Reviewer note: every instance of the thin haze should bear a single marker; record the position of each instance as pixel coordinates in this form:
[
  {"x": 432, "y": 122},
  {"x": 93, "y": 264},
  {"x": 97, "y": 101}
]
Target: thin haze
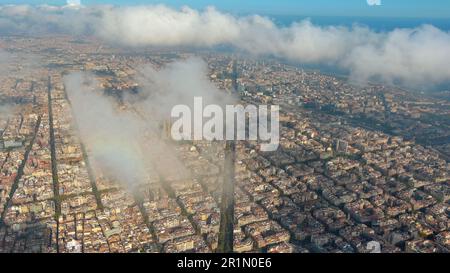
[{"x": 19, "y": 66}]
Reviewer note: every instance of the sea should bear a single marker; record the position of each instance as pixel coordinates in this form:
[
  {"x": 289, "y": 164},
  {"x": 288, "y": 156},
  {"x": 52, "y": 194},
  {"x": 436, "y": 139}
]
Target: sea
[{"x": 379, "y": 24}]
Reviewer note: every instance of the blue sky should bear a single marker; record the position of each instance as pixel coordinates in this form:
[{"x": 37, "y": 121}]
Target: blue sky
[{"x": 389, "y": 8}]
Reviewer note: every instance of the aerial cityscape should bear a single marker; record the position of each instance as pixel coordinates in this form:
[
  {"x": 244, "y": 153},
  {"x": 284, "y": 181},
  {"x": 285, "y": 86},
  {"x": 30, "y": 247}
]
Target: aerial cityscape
[{"x": 88, "y": 163}]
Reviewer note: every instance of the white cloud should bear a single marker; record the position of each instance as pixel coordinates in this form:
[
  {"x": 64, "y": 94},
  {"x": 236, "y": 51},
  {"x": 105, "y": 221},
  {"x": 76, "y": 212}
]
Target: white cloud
[
  {"x": 125, "y": 146},
  {"x": 374, "y": 2},
  {"x": 409, "y": 56},
  {"x": 75, "y": 3}
]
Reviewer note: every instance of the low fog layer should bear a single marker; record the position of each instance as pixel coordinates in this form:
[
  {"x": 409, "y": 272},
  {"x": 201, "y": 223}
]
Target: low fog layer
[
  {"x": 177, "y": 83},
  {"x": 410, "y": 57},
  {"x": 126, "y": 143},
  {"x": 112, "y": 136}
]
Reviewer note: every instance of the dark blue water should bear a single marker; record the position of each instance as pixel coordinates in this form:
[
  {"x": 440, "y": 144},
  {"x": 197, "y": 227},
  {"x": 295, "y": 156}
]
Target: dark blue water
[{"x": 376, "y": 23}]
